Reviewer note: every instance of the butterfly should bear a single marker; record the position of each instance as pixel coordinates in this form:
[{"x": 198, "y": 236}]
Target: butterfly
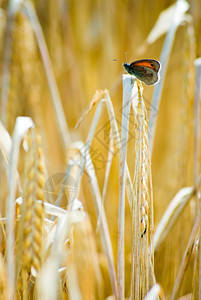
[{"x": 146, "y": 70}]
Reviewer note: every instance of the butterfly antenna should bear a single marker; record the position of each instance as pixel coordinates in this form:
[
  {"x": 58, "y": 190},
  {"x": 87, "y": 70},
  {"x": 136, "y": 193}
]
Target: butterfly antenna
[{"x": 126, "y": 57}]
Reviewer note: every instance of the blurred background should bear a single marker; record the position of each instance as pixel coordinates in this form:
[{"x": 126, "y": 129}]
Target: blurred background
[{"x": 83, "y": 38}]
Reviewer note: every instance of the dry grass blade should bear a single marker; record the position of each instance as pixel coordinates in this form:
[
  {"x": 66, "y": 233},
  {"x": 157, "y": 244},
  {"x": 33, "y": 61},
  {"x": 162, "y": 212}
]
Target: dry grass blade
[
  {"x": 172, "y": 214},
  {"x": 128, "y": 94},
  {"x": 196, "y": 159},
  {"x": 62, "y": 124},
  {"x": 98, "y": 96},
  {"x": 197, "y": 63},
  {"x": 108, "y": 166},
  {"x": 70, "y": 180},
  {"x": 51, "y": 226},
  {"x": 165, "y": 19},
  {"x": 106, "y": 242},
  {"x": 181, "y": 7},
  {"x": 154, "y": 293},
  {"x": 186, "y": 259},
  {"x": 5, "y": 148},
  {"x": 114, "y": 133},
  {"x": 54, "y": 210},
  {"x": 5, "y": 142},
  {"x": 85, "y": 151},
  {"x": 117, "y": 144},
  {"x": 102, "y": 95}
]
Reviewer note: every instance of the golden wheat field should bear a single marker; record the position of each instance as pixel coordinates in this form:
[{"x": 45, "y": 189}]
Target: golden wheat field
[{"x": 100, "y": 192}]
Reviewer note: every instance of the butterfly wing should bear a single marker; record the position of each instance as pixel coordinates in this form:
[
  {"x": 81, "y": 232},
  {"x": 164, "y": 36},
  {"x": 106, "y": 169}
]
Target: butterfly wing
[
  {"x": 145, "y": 70},
  {"x": 150, "y": 63},
  {"x": 145, "y": 74}
]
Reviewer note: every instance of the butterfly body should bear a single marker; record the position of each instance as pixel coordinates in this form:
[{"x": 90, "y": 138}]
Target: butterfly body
[{"x": 146, "y": 70}]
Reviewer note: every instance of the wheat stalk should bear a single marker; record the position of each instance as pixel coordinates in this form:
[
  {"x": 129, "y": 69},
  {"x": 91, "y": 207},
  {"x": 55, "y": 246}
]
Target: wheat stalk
[
  {"x": 33, "y": 209},
  {"x": 142, "y": 211}
]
